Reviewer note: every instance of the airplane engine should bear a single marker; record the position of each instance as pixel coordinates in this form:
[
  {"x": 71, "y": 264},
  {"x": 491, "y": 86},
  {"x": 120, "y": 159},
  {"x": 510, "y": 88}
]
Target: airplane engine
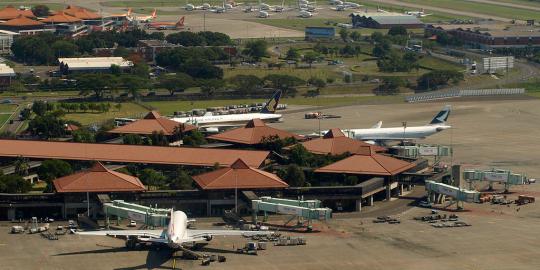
[{"x": 208, "y": 238}]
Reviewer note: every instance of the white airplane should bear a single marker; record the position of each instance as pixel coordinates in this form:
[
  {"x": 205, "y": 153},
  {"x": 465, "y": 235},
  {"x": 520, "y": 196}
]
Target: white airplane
[
  {"x": 146, "y": 19},
  {"x": 419, "y": 14},
  {"x": 379, "y": 134},
  {"x": 175, "y": 235},
  {"x": 214, "y": 123}
]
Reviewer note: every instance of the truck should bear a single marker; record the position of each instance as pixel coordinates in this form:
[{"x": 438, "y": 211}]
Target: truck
[{"x": 250, "y": 248}]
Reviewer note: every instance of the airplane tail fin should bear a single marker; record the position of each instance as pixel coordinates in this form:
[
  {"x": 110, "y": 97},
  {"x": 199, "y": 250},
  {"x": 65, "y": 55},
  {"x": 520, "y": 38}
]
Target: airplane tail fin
[
  {"x": 378, "y": 125},
  {"x": 180, "y": 22},
  {"x": 154, "y": 13},
  {"x": 129, "y": 11},
  {"x": 442, "y": 116},
  {"x": 271, "y": 105}
]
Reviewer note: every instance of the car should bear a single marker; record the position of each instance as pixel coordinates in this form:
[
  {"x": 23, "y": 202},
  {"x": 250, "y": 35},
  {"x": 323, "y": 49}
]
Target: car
[{"x": 132, "y": 223}]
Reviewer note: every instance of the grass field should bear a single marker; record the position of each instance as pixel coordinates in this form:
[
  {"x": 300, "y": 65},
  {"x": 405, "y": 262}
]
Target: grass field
[
  {"x": 495, "y": 10},
  {"x": 435, "y": 63},
  {"x": 304, "y": 73},
  {"x": 435, "y": 17},
  {"x": 530, "y": 3},
  {"x": 127, "y": 110},
  {"x": 4, "y": 118}
]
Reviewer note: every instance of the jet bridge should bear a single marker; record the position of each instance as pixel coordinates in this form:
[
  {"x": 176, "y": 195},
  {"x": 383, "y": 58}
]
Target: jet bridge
[
  {"x": 423, "y": 150},
  {"x": 301, "y": 209},
  {"x": 149, "y": 216},
  {"x": 459, "y": 194},
  {"x": 505, "y": 177}
]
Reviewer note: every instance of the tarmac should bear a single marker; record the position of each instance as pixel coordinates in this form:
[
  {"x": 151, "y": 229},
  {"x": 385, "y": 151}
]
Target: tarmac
[{"x": 501, "y": 133}]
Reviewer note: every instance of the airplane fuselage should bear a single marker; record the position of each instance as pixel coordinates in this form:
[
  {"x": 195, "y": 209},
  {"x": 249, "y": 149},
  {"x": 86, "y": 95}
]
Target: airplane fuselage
[
  {"x": 176, "y": 231},
  {"x": 228, "y": 118},
  {"x": 395, "y": 133}
]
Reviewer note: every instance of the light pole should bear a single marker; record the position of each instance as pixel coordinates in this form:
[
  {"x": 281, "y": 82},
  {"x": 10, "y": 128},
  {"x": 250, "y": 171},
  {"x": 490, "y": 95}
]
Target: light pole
[{"x": 404, "y": 124}]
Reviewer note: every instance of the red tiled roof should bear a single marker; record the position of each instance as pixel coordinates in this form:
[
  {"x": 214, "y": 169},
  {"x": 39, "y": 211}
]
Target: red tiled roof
[
  {"x": 21, "y": 21},
  {"x": 9, "y": 12},
  {"x": 334, "y": 142},
  {"x": 98, "y": 179},
  {"x": 71, "y": 127},
  {"x": 152, "y": 122},
  {"x": 61, "y": 17},
  {"x": 254, "y": 131},
  {"x": 240, "y": 176},
  {"x": 369, "y": 164},
  {"x": 129, "y": 153},
  {"x": 81, "y": 13}
]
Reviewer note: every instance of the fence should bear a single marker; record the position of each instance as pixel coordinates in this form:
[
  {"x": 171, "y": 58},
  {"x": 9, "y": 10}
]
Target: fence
[{"x": 430, "y": 96}]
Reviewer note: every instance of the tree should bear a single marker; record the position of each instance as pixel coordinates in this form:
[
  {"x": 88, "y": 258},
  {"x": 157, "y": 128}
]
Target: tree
[
  {"x": 14, "y": 184},
  {"x": 181, "y": 181},
  {"x": 39, "y": 107},
  {"x": 22, "y": 166},
  {"x": 285, "y": 83},
  {"x": 294, "y": 176},
  {"x": 176, "y": 83},
  {"x": 434, "y": 79},
  {"x": 152, "y": 178},
  {"x": 211, "y": 86},
  {"x": 53, "y": 168},
  {"x": 247, "y": 83},
  {"x": 256, "y": 49},
  {"x": 158, "y": 138},
  {"x": 344, "y": 34},
  {"x": 47, "y": 126},
  {"x": 292, "y": 54},
  {"x": 390, "y": 86},
  {"x": 41, "y": 10},
  {"x": 96, "y": 83},
  {"x": 140, "y": 69},
  {"x": 116, "y": 70},
  {"x": 299, "y": 155},
  {"x": 195, "y": 138},
  {"x": 185, "y": 38},
  {"x": 311, "y": 57},
  {"x": 317, "y": 83},
  {"x": 381, "y": 49},
  {"x": 132, "y": 139},
  {"x": 134, "y": 83},
  {"x": 64, "y": 48},
  {"x": 355, "y": 35},
  {"x": 121, "y": 51},
  {"x": 83, "y": 135},
  {"x": 16, "y": 87},
  {"x": 397, "y": 30}
]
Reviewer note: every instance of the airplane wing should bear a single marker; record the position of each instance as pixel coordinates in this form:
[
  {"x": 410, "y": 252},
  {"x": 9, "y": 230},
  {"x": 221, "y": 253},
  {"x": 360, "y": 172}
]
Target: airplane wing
[
  {"x": 195, "y": 235},
  {"x": 156, "y": 234}
]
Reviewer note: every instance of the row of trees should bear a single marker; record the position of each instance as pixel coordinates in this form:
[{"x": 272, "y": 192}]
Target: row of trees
[
  {"x": 45, "y": 48},
  {"x": 205, "y": 38},
  {"x": 194, "y": 61}
]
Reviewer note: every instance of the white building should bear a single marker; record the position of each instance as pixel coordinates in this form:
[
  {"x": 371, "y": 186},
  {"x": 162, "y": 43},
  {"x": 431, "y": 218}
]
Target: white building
[
  {"x": 6, "y": 39},
  {"x": 92, "y": 64},
  {"x": 6, "y": 74}
]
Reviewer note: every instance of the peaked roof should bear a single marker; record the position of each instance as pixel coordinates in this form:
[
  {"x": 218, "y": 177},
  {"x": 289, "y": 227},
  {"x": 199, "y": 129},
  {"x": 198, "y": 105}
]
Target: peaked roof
[
  {"x": 369, "y": 164},
  {"x": 150, "y": 123},
  {"x": 61, "y": 17},
  {"x": 9, "y": 12},
  {"x": 21, "y": 20},
  {"x": 334, "y": 142},
  {"x": 98, "y": 179},
  {"x": 239, "y": 175},
  {"x": 252, "y": 133},
  {"x": 81, "y": 13}
]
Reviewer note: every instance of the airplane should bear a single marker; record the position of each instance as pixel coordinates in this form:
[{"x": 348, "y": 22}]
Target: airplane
[
  {"x": 378, "y": 134},
  {"x": 176, "y": 235},
  {"x": 418, "y": 14},
  {"x": 167, "y": 25},
  {"x": 146, "y": 19},
  {"x": 191, "y": 7},
  {"x": 214, "y": 123},
  {"x": 119, "y": 17}
]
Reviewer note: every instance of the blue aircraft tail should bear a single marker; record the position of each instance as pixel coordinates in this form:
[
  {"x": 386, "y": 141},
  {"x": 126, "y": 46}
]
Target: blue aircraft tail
[
  {"x": 271, "y": 105},
  {"x": 442, "y": 116}
]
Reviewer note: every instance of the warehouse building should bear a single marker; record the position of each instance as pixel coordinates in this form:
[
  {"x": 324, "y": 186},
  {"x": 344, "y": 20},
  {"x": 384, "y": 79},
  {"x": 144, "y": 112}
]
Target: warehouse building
[
  {"x": 380, "y": 20},
  {"x": 490, "y": 38},
  {"x": 92, "y": 64}
]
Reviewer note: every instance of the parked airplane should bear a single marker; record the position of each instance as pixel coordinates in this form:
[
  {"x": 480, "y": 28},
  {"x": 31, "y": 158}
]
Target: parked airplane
[
  {"x": 378, "y": 134},
  {"x": 146, "y": 19},
  {"x": 191, "y": 7},
  {"x": 215, "y": 123},
  {"x": 167, "y": 25},
  {"x": 175, "y": 235},
  {"x": 420, "y": 13},
  {"x": 119, "y": 17}
]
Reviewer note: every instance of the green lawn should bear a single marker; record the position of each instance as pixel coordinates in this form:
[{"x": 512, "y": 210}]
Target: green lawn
[
  {"x": 435, "y": 63},
  {"x": 435, "y": 17},
  {"x": 40, "y": 94},
  {"x": 303, "y": 73},
  {"x": 7, "y": 108},
  {"x": 495, "y": 10},
  {"x": 128, "y": 110},
  {"x": 531, "y": 3},
  {"x": 4, "y": 118}
]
